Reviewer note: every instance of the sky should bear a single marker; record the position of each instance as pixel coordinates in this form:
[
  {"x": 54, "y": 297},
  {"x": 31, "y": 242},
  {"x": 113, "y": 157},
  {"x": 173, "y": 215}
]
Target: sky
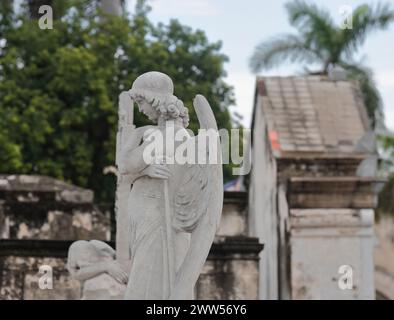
[{"x": 241, "y": 25}]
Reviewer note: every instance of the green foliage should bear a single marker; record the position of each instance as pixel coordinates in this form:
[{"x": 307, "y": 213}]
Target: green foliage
[
  {"x": 386, "y": 196},
  {"x": 320, "y": 41},
  {"x": 371, "y": 95},
  {"x": 59, "y": 87}
]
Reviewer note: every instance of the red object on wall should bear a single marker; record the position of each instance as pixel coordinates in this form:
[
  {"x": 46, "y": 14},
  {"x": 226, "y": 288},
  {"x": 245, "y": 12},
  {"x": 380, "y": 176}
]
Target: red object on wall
[{"x": 273, "y": 136}]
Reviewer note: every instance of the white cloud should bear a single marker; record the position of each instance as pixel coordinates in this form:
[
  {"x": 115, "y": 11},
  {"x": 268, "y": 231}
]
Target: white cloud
[
  {"x": 243, "y": 83},
  {"x": 385, "y": 79},
  {"x": 385, "y": 83}
]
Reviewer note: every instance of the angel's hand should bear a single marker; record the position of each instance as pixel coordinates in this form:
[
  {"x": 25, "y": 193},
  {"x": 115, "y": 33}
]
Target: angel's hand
[
  {"x": 115, "y": 270},
  {"x": 157, "y": 171}
]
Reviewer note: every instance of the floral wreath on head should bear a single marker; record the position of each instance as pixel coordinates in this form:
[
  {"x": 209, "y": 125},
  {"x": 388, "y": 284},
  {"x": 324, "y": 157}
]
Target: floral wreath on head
[
  {"x": 167, "y": 106},
  {"x": 157, "y": 89}
]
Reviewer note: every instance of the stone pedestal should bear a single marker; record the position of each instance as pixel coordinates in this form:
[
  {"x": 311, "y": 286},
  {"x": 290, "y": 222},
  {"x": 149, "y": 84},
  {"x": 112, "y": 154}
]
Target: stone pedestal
[{"x": 331, "y": 237}]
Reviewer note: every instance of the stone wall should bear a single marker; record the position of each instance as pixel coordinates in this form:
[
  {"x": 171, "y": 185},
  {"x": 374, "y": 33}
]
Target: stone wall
[
  {"x": 20, "y": 264},
  {"x": 262, "y": 219},
  {"x": 331, "y": 237},
  {"x": 314, "y": 215},
  {"x": 40, "y": 217},
  {"x": 230, "y": 271},
  {"x": 38, "y": 207}
]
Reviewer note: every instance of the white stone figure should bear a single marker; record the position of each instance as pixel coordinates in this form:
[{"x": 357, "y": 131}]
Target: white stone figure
[
  {"x": 92, "y": 263},
  {"x": 167, "y": 212}
]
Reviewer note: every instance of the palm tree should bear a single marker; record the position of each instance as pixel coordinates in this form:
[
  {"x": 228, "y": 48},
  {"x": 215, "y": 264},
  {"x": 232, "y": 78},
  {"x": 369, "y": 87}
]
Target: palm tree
[{"x": 321, "y": 42}]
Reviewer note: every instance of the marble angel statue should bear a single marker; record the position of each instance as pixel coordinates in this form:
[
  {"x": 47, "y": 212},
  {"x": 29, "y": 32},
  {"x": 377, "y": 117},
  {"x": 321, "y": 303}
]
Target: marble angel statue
[{"x": 167, "y": 211}]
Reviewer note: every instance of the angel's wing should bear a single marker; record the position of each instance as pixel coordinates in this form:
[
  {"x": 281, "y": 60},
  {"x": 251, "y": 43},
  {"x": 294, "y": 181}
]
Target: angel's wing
[{"x": 198, "y": 205}]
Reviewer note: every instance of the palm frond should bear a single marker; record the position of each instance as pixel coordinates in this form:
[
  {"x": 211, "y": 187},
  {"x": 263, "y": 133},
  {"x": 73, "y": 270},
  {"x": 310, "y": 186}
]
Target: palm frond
[
  {"x": 370, "y": 92},
  {"x": 366, "y": 19},
  {"x": 285, "y": 48},
  {"x": 314, "y": 23}
]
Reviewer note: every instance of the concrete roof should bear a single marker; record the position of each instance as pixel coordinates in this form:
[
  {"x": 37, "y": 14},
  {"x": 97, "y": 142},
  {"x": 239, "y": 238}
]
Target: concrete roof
[{"x": 311, "y": 114}]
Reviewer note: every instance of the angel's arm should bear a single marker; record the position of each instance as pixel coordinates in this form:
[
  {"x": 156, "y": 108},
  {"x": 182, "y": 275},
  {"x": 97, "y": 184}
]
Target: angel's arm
[
  {"x": 88, "y": 272},
  {"x": 131, "y": 161}
]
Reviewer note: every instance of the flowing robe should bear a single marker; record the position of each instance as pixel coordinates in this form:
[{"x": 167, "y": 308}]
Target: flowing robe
[{"x": 151, "y": 236}]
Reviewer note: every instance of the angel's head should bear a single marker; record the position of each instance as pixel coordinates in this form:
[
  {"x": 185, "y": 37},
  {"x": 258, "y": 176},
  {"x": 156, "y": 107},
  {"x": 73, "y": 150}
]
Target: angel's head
[
  {"x": 154, "y": 93},
  {"x": 83, "y": 253}
]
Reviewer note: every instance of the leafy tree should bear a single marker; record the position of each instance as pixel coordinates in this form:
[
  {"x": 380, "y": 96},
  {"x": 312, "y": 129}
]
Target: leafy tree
[
  {"x": 321, "y": 42},
  {"x": 59, "y": 87},
  {"x": 386, "y": 195}
]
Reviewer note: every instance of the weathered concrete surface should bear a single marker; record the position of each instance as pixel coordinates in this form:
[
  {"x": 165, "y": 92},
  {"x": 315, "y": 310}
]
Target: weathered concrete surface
[
  {"x": 262, "y": 215},
  {"x": 20, "y": 279},
  {"x": 310, "y": 114},
  {"x": 323, "y": 240},
  {"x": 39, "y": 232},
  {"x": 384, "y": 257},
  {"x": 333, "y": 192},
  {"x": 318, "y": 165},
  {"x": 39, "y": 207},
  {"x": 311, "y": 140},
  {"x": 38, "y": 215},
  {"x": 331, "y": 225},
  {"x": 234, "y": 221},
  {"x": 231, "y": 271}
]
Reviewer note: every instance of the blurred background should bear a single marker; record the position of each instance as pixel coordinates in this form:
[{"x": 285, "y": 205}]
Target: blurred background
[{"x": 59, "y": 91}]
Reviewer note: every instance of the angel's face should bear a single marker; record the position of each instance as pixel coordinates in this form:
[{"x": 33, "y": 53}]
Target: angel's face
[{"x": 146, "y": 108}]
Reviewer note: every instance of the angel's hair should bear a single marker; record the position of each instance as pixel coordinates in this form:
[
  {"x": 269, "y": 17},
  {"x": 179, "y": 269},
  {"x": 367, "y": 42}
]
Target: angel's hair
[{"x": 157, "y": 89}]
